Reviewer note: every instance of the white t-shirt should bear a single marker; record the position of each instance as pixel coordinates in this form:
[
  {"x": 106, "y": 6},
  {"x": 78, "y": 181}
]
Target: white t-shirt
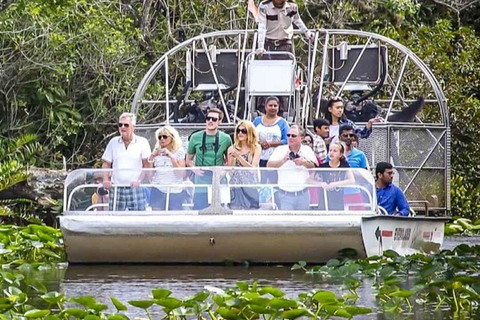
[
  {"x": 291, "y": 177},
  {"x": 167, "y": 175},
  {"x": 126, "y": 162},
  {"x": 334, "y": 131}
]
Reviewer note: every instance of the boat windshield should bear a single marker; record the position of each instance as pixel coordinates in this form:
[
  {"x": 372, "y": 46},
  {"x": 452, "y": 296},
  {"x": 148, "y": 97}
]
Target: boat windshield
[{"x": 221, "y": 190}]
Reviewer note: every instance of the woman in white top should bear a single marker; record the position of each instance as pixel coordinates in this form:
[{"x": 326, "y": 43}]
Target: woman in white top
[{"x": 168, "y": 154}]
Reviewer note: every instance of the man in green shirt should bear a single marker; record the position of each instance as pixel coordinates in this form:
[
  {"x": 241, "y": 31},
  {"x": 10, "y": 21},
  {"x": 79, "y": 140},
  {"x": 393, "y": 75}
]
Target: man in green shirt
[{"x": 207, "y": 148}]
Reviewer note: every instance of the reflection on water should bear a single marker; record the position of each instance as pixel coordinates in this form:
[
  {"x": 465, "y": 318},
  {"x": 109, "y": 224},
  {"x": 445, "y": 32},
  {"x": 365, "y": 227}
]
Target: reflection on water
[{"x": 132, "y": 282}]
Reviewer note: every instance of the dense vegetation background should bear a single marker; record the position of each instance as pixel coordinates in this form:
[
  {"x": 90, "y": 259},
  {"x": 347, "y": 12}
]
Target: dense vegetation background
[{"x": 68, "y": 67}]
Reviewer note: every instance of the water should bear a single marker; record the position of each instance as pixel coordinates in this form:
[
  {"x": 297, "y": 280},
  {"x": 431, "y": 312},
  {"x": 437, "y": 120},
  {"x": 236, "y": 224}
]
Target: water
[{"x": 135, "y": 282}]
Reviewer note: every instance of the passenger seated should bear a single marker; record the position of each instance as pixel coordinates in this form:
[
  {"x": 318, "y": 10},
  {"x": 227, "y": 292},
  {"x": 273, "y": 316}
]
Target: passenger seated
[
  {"x": 244, "y": 153},
  {"x": 101, "y": 194},
  {"x": 168, "y": 153},
  {"x": 331, "y": 180},
  {"x": 389, "y": 196}
]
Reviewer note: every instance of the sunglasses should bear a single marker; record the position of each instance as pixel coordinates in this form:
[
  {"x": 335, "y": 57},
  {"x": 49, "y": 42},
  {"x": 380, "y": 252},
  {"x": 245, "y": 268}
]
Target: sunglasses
[
  {"x": 307, "y": 142},
  {"x": 348, "y": 135},
  {"x": 163, "y": 136},
  {"x": 126, "y": 125},
  {"x": 291, "y": 135},
  {"x": 244, "y": 131},
  {"x": 211, "y": 119}
]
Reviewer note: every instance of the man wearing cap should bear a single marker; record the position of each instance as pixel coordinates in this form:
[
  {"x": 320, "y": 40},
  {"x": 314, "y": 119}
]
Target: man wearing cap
[
  {"x": 127, "y": 154},
  {"x": 275, "y": 25}
]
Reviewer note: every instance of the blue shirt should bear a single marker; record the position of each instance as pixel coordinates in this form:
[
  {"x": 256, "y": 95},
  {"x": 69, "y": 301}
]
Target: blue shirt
[
  {"x": 357, "y": 159},
  {"x": 390, "y": 198}
]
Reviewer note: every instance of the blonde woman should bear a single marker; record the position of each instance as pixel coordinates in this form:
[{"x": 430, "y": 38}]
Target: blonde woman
[
  {"x": 245, "y": 152},
  {"x": 168, "y": 153}
]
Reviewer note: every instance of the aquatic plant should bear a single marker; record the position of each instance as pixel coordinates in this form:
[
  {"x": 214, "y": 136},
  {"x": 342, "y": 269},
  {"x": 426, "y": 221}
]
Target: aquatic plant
[
  {"x": 246, "y": 301},
  {"x": 449, "y": 279},
  {"x": 462, "y": 226},
  {"x": 34, "y": 244}
]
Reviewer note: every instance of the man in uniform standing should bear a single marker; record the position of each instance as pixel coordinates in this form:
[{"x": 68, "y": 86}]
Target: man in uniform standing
[{"x": 275, "y": 26}]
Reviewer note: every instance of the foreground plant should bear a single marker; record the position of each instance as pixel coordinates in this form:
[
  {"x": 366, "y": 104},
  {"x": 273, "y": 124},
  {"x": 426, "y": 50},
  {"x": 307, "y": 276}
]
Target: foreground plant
[
  {"x": 33, "y": 244},
  {"x": 448, "y": 279},
  {"x": 243, "y": 302}
]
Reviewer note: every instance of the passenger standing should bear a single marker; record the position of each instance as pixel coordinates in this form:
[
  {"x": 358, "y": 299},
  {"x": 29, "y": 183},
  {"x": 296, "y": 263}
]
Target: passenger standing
[
  {"x": 245, "y": 153},
  {"x": 127, "y": 154},
  {"x": 321, "y": 139},
  {"x": 168, "y": 154},
  {"x": 207, "y": 148},
  {"x": 356, "y": 159},
  {"x": 272, "y": 131},
  {"x": 293, "y": 160},
  {"x": 337, "y": 118},
  {"x": 389, "y": 196},
  {"x": 275, "y": 26},
  {"x": 333, "y": 179}
]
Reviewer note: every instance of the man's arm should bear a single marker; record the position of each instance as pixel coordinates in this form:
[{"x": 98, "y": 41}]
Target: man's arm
[
  {"x": 262, "y": 27},
  {"x": 106, "y": 175},
  {"x": 190, "y": 162},
  {"x": 402, "y": 204},
  {"x": 278, "y": 158},
  {"x": 301, "y": 25}
]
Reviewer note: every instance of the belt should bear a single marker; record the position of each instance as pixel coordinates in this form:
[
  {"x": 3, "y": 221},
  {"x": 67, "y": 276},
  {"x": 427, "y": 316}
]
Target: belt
[
  {"x": 278, "y": 43},
  {"x": 293, "y": 193}
]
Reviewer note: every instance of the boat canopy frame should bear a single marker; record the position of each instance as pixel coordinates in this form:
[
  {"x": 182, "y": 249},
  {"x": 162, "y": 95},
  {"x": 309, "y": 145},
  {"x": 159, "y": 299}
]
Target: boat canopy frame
[{"x": 418, "y": 148}]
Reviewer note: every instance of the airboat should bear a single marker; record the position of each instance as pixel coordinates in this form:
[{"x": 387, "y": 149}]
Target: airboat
[{"x": 374, "y": 75}]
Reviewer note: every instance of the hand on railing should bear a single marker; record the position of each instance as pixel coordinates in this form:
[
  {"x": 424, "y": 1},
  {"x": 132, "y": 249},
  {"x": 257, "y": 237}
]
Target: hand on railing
[
  {"x": 198, "y": 171},
  {"x": 107, "y": 184},
  {"x": 260, "y": 52}
]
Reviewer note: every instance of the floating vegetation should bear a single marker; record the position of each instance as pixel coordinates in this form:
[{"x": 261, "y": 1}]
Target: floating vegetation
[
  {"x": 449, "y": 279},
  {"x": 34, "y": 245},
  {"x": 243, "y": 302},
  {"x": 463, "y": 226}
]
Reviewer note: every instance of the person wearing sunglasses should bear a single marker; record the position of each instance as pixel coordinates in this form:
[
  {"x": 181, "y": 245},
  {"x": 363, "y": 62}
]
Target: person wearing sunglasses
[
  {"x": 207, "y": 148},
  {"x": 167, "y": 155},
  {"x": 356, "y": 159},
  {"x": 127, "y": 154},
  {"x": 245, "y": 153},
  {"x": 293, "y": 160}
]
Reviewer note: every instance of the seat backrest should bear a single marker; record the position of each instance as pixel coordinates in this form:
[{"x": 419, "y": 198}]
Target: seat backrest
[{"x": 270, "y": 77}]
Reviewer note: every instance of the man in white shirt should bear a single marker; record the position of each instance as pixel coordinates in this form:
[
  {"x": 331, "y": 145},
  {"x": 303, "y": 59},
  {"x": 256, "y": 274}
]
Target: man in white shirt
[
  {"x": 293, "y": 161},
  {"x": 127, "y": 154}
]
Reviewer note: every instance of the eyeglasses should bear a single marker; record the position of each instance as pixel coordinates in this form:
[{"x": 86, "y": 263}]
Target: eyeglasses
[
  {"x": 244, "y": 131},
  {"x": 306, "y": 141},
  {"x": 211, "y": 119},
  {"x": 348, "y": 135},
  {"x": 126, "y": 125},
  {"x": 291, "y": 135},
  {"x": 163, "y": 136}
]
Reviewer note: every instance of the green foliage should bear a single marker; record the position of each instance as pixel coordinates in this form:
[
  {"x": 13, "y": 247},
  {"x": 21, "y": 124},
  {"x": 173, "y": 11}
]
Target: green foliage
[
  {"x": 449, "y": 279},
  {"x": 69, "y": 67},
  {"x": 34, "y": 244}
]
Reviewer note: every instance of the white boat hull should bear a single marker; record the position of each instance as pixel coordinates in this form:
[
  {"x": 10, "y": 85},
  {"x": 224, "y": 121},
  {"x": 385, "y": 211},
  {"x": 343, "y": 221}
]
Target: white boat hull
[
  {"x": 404, "y": 235},
  {"x": 174, "y": 238}
]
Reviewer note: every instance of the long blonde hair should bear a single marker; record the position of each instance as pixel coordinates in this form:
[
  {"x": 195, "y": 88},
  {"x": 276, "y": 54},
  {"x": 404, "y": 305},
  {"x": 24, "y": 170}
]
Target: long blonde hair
[
  {"x": 172, "y": 132},
  {"x": 252, "y": 136}
]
